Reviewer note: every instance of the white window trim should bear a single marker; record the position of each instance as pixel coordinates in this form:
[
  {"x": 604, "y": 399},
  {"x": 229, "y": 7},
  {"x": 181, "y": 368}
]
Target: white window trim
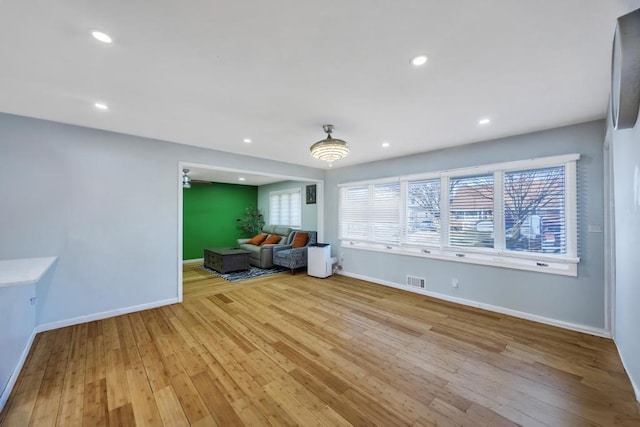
[{"x": 498, "y": 256}]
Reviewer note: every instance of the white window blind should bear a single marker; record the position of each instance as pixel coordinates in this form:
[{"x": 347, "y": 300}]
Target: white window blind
[
  {"x": 285, "y": 207},
  {"x": 534, "y": 210},
  {"x": 520, "y": 214},
  {"x": 354, "y": 203},
  {"x": 471, "y": 211},
  {"x": 370, "y": 213},
  {"x": 423, "y": 212},
  {"x": 384, "y": 215}
]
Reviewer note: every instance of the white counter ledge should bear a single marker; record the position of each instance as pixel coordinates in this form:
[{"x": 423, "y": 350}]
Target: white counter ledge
[{"x": 24, "y": 271}]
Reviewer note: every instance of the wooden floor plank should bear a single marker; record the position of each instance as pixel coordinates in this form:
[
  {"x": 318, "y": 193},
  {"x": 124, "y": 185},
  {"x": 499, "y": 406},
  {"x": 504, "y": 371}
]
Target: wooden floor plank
[
  {"x": 220, "y": 409},
  {"x": 72, "y": 399},
  {"x": 45, "y": 411},
  {"x": 144, "y": 406},
  {"x": 170, "y": 408},
  {"x": 95, "y": 409},
  {"x": 298, "y": 350}
]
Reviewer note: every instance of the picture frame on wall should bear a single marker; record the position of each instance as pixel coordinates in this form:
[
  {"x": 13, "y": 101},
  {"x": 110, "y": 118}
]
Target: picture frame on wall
[{"x": 311, "y": 194}]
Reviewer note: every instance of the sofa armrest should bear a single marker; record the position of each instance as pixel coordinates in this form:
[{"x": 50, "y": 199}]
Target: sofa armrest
[
  {"x": 266, "y": 254},
  {"x": 302, "y": 250},
  {"x": 280, "y": 248},
  {"x": 242, "y": 241}
]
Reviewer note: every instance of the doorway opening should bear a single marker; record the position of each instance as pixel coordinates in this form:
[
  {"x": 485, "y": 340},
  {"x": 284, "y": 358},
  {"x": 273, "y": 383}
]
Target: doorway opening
[{"x": 216, "y": 174}]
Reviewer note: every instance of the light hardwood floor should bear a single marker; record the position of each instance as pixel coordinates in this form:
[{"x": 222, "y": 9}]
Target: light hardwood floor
[{"x": 295, "y": 350}]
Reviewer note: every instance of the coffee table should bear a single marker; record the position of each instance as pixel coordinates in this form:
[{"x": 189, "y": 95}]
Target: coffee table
[{"x": 225, "y": 260}]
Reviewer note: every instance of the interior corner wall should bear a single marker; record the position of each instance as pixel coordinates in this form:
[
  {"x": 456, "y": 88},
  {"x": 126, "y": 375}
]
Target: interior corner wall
[
  {"x": 107, "y": 205},
  {"x": 574, "y": 300},
  {"x": 626, "y": 170},
  {"x": 209, "y": 215},
  {"x": 309, "y": 211}
]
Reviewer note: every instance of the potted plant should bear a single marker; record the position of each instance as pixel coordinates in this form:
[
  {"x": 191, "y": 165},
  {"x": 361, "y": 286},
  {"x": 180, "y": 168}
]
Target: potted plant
[{"x": 252, "y": 221}]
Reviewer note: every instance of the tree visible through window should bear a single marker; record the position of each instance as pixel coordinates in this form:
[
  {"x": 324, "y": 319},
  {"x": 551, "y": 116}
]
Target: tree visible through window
[
  {"x": 534, "y": 211},
  {"x": 423, "y": 212}
]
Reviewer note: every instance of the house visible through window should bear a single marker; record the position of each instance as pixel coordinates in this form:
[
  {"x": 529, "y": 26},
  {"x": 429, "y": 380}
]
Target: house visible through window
[
  {"x": 285, "y": 207},
  {"x": 471, "y": 211},
  {"x": 520, "y": 214}
]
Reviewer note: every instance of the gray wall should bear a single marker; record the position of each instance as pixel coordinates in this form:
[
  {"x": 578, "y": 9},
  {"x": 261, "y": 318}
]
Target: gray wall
[
  {"x": 578, "y": 300},
  {"x": 309, "y": 212},
  {"x": 106, "y": 204},
  {"x": 626, "y": 168}
]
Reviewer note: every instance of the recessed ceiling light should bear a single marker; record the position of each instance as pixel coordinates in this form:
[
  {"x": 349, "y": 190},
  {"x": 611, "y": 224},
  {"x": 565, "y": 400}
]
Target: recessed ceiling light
[
  {"x": 419, "y": 60},
  {"x": 98, "y": 35},
  {"x": 101, "y": 106},
  {"x": 484, "y": 121},
  {"x": 385, "y": 144},
  {"x": 247, "y": 140},
  {"x": 242, "y": 178}
]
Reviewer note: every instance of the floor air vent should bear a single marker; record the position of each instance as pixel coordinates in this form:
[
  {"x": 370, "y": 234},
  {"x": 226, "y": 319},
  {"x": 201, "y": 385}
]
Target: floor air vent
[{"x": 416, "y": 282}]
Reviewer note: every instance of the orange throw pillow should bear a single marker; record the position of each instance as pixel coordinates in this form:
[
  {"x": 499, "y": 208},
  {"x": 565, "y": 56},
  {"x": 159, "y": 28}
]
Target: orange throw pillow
[
  {"x": 300, "y": 240},
  {"x": 257, "y": 240},
  {"x": 272, "y": 239}
]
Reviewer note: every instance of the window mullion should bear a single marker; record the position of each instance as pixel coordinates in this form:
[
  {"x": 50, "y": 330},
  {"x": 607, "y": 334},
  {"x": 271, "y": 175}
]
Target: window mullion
[{"x": 498, "y": 211}]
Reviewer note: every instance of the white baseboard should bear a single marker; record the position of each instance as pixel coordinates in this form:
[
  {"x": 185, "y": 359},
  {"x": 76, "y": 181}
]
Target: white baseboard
[
  {"x": 636, "y": 389},
  {"x": 16, "y": 371},
  {"x": 190, "y": 261},
  {"x": 497, "y": 309},
  {"x": 103, "y": 315}
]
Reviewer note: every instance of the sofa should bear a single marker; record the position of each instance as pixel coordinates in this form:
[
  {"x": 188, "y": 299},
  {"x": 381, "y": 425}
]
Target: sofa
[
  {"x": 290, "y": 257},
  {"x": 262, "y": 256}
]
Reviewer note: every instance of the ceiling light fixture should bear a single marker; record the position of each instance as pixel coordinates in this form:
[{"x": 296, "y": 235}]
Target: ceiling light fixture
[
  {"x": 101, "y": 106},
  {"x": 186, "y": 181},
  {"x": 242, "y": 178},
  {"x": 419, "y": 60},
  {"x": 247, "y": 140},
  {"x": 385, "y": 144},
  {"x": 329, "y": 149},
  {"x": 98, "y": 35},
  {"x": 484, "y": 121}
]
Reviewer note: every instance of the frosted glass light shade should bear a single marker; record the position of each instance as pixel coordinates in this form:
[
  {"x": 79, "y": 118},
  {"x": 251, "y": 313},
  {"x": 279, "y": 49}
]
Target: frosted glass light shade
[{"x": 329, "y": 149}]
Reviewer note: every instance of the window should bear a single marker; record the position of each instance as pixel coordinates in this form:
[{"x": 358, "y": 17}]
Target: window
[
  {"x": 285, "y": 207},
  {"x": 423, "y": 212},
  {"x": 534, "y": 210},
  {"x": 520, "y": 214},
  {"x": 471, "y": 211},
  {"x": 371, "y": 212}
]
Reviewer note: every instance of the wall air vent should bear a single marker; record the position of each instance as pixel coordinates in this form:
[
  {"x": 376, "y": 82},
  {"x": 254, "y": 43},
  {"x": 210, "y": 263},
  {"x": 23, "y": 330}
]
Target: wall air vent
[{"x": 416, "y": 282}]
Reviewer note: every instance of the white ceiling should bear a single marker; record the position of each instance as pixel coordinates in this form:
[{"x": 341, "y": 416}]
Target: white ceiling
[{"x": 210, "y": 73}]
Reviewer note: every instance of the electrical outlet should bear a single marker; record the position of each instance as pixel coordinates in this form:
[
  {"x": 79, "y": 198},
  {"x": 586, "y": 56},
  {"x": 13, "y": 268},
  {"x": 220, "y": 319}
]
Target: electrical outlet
[
  {"x": 455, "y": 282},
  {"x": 33, "y": 301}
]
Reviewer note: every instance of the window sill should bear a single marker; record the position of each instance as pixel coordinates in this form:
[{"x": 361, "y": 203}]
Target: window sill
[{"x": 539, "y": 263}]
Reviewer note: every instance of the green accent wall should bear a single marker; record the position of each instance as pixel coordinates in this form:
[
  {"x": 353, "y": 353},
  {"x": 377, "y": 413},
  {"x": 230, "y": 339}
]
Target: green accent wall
[{"x": 209, "y": 215}]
